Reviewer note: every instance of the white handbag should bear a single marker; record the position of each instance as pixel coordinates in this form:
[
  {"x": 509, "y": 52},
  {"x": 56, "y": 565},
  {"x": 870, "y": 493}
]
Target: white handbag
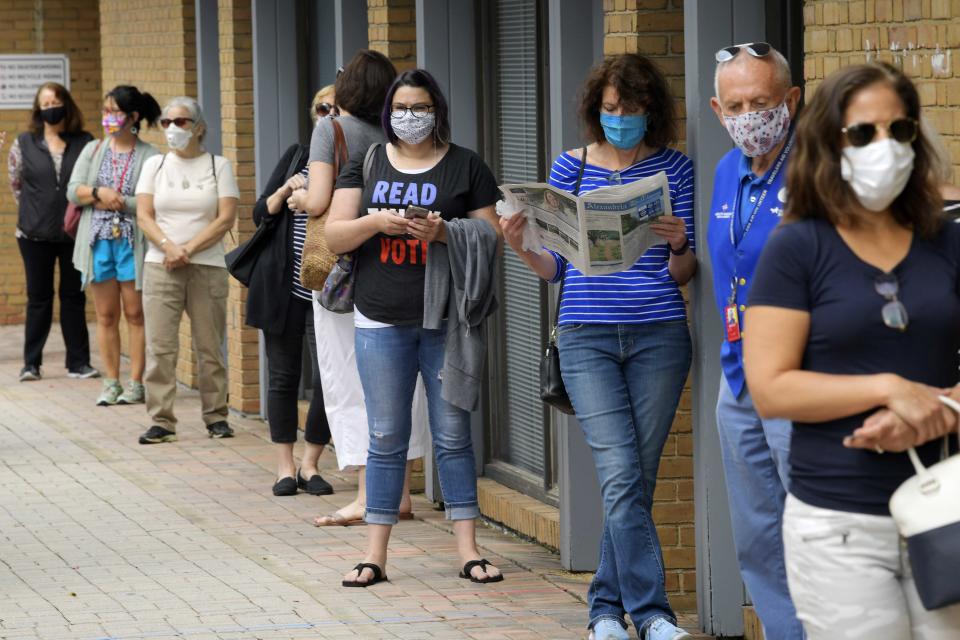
[{"x": 926, "y": 509}]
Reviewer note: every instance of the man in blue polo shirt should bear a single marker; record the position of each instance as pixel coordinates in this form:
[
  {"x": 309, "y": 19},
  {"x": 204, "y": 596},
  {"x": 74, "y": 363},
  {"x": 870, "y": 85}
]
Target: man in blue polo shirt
[{"x": 756, "y": 102}]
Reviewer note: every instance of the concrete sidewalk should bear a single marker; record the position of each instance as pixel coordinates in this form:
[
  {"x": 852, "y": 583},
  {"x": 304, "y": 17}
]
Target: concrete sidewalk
[{"x": 103, "y": 538}]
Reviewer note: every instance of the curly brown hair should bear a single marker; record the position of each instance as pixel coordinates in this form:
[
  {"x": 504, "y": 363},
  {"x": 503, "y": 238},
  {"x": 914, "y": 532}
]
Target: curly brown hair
[
  {"x": 814, "y": 183},
  {"x": 72, "y": 120},
  {"x": 640, "y": 85}
]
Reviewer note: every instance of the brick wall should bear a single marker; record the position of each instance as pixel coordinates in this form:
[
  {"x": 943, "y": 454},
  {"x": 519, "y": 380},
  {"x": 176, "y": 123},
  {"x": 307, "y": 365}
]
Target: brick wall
[
  {"x": 839, "y": 34},
  {"x": 654, "y": 28},
  {"x": 236, "y": 87},
  {"x": 392, "y": 30},
  {"x": 28, "y": 27}
]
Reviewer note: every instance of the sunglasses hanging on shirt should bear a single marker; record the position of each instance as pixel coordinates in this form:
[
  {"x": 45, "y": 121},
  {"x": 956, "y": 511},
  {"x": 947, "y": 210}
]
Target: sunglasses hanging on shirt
[{"x": 893, "y": 312}]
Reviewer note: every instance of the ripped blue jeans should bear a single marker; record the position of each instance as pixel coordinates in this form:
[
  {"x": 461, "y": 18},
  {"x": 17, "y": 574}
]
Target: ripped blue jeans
[{"x": 388, "y": 359}]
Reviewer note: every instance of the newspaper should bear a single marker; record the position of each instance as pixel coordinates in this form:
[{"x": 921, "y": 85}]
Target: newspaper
[{"x": 603, "y": 231}]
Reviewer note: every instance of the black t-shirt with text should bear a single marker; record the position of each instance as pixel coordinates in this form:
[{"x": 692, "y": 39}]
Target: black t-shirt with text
[
  {"x": 806, "y": 266},
  {"x": 390, "y": 269}
]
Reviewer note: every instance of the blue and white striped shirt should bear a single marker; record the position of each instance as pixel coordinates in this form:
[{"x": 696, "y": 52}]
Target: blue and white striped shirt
[
  {"x": 646, "y": 292},
  {"x": 299, "y": 237}
]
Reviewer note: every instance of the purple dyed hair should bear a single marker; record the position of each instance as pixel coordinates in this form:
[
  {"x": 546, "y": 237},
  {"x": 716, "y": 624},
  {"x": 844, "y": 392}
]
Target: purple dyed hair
[{"x": 422, "y": 79}]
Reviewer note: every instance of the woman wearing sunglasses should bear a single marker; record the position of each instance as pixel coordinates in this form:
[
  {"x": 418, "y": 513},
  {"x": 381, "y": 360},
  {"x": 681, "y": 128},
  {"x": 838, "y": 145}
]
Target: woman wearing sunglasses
[
  {"x": 854, "y": 329},
  {"x": 280, "y": 306},
  {"x": 624, "y": 345},
  {"x": 186, "y": 202},
  {"x": 109, "y": 248}
]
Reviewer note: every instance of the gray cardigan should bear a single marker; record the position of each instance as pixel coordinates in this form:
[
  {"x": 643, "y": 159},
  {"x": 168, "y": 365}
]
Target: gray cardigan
[
  {"x": 460, "y": 285},
  {"x": 85, "y": 173}
]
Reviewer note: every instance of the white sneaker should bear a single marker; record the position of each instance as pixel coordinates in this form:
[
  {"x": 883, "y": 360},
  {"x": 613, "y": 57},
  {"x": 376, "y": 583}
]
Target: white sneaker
[{"x": 663, "y": 629}]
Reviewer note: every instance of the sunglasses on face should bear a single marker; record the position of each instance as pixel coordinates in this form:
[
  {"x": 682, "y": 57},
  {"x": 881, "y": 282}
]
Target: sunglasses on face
[
  {"x": 756, "y": 49},
  {"x": 863, "y": 133},
  {"x": 324, "y": 109},
  {"x": 893, "y": 312},
  {"x": 180, "y": 122}
]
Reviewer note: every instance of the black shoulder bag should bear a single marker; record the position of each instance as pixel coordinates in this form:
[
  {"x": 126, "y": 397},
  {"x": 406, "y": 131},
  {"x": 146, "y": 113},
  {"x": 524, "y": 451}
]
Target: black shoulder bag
[
  {"x": 552, "y": 390},
  {"x": 243, "y": 260}
]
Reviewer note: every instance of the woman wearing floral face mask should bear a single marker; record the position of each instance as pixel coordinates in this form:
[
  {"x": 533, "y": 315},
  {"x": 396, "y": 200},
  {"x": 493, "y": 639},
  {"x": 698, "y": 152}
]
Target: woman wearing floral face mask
[
  {"x": 186, "y": 202},
  {"x": 109, "y": 247},
  {"x": 854, "y": 324},
  {"x": 623, "y": 339}
]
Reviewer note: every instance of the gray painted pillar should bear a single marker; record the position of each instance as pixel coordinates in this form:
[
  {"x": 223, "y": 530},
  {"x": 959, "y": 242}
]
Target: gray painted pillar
[
  {"x": 581, "y": 510},
  {"x": 350, "y": 18},
  {"x": 208, "y": 71},
  {"x": 323, "y": 51},
  {"x": 710, "y": 25},
  {"x": 451, "y": 55},
  {"x": 276, "y": 115}
]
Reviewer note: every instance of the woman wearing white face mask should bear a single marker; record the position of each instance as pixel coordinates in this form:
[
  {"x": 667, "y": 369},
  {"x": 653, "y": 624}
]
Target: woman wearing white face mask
[
  {"x": 186, "y": 202},
  {"x": 854, "y": 324}
]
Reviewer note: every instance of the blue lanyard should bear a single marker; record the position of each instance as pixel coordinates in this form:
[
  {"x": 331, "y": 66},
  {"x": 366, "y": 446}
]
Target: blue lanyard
[{"x": 763, "y": 194}]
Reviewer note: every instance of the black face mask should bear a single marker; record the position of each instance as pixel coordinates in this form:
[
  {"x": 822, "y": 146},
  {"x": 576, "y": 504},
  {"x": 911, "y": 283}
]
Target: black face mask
[{"x": 53, "y": 115}]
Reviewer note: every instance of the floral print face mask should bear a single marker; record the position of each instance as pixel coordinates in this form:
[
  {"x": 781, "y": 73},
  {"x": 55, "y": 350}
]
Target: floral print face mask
[{"x": 757, "y": 132}]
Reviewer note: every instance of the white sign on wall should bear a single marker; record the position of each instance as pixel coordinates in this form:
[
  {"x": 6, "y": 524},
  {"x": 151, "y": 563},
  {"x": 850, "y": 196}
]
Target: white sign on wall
[{"x": 22, "y": 75}]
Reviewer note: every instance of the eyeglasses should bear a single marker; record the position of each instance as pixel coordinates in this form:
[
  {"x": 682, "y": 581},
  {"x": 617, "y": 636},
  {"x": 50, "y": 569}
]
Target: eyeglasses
[
  {"x": 893, "y": 312},
  {"x": 180, "y": 122},
  {"x": 418, "y": 110},
  {"x": 339, "y": 71},
  {"x": 756, "y": 49},
  {"x": 325, "y": 109},
  {"x": 863, "y": 133}
]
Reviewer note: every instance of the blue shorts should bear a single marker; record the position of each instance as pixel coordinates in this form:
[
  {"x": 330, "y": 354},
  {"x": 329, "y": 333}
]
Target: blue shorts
[{"x": 113, "y": 259}]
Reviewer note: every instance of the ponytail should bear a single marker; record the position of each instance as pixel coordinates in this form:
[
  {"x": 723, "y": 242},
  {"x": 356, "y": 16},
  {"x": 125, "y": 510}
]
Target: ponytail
[{"x": 130, "y": 100}]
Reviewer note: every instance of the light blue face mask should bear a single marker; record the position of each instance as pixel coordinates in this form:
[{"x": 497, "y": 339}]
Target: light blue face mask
[{"x": 624, "y": 132}]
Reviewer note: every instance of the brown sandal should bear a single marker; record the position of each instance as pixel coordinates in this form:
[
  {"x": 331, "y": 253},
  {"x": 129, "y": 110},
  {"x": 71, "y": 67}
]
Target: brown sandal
[{"x": 336, "y": 520}]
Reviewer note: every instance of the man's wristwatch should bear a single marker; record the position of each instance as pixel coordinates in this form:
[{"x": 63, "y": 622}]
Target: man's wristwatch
[{"x": 94, "y": 194}]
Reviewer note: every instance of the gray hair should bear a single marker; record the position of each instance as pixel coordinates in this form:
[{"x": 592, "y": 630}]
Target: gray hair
[
  {"x": 192, "y": 107},
  {"x": 781, "y": 67}
]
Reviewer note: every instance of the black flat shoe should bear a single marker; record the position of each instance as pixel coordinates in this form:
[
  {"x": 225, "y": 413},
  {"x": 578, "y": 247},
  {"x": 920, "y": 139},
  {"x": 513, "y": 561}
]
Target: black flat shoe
[
  {"x": 377, "y": 576},
  {"x": 285, "y": 487},
  {"x": 315, "y": 486}
]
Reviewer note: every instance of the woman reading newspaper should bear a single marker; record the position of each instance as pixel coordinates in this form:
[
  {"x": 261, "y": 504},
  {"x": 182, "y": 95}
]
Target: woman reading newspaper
[{"x": 623, "y": 339}]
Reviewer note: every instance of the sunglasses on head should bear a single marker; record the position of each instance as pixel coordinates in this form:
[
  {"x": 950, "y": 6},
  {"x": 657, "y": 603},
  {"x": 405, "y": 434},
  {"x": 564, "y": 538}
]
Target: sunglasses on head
[
  {"x": 180, "y": 122},
  {"x": 863, "y": 133},
  {"x": 756, "y": 49}
]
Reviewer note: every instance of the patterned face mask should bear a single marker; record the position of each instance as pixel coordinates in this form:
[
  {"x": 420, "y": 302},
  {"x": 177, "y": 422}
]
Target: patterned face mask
[{"x": 757, "y": 132}]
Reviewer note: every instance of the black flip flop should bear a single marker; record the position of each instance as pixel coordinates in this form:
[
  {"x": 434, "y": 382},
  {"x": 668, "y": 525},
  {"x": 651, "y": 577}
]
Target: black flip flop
[
  {"x": 483, "y": 564},
  {"x": 377, "y": 576}
]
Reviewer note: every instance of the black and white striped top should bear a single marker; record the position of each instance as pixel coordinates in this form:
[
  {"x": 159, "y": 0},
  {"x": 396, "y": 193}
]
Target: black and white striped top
[{"x": 296, "y": 246}]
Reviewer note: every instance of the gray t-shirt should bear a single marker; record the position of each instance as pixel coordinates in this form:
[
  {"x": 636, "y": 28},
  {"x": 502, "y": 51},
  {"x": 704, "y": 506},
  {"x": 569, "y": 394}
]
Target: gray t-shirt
[{"x": 358, "y": 134}]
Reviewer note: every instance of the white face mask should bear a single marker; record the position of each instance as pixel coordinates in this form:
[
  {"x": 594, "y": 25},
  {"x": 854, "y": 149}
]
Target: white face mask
[
  {"x": 178, "y": 138},
  {"x": 877, "y": 172}
]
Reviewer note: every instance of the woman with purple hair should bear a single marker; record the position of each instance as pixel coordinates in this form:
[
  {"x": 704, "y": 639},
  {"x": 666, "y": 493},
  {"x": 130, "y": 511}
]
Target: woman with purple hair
[{"x": 422, "y": 196}]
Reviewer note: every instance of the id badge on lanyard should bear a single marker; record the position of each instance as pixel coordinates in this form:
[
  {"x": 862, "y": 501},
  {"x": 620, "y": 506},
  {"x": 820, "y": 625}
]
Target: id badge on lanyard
[{"x": 731, "y": 315}]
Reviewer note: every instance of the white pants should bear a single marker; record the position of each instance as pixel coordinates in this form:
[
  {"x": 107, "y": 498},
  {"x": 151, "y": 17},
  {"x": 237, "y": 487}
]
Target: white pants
[
  {"x": 343, "y": 394},
  {"x": 850, "y": 578}
]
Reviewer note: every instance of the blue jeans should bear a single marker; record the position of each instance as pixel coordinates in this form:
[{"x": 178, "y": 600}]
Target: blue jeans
[
  {"x": 388, "y": 360},
  {"x": 625, "y": 382},
  {"x": 755, "y": 462}
]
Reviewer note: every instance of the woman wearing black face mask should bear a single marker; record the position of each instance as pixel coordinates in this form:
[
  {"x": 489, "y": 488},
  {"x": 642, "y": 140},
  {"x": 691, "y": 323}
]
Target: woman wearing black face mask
[{"x": 40, "y": 163}]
